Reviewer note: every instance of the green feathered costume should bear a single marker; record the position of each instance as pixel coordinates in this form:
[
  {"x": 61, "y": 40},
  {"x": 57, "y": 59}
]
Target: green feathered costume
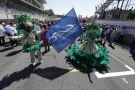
[
  {"x": 89, "y": 52},
  {"x": 26, "y": 32},
  {"x": 23, "y": 22}
]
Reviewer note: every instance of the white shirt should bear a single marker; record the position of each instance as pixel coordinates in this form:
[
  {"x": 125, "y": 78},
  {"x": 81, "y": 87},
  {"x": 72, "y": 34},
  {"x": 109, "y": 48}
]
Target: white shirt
[
  {"x": 12, "y": 30},
  {"x": 108, "y": 30},
  {"x": 7, "y": 28},
  {"x": 37, "y": 28},
  {"x": 1, "y": 26},
  {"x": 1, "y": 32},
  {"x": 101, "y": 31}
]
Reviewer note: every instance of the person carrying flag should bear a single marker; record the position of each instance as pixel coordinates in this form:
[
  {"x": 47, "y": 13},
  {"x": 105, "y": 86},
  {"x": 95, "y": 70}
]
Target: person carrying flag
[{"x": 67, "y": 30}]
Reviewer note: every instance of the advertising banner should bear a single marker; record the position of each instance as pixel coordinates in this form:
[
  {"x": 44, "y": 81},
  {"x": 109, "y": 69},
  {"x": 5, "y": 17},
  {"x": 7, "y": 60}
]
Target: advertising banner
[{"x": 130, "y": 25}]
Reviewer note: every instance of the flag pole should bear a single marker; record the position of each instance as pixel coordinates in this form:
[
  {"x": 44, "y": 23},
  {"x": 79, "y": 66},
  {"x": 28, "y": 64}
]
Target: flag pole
[
  {"x": 93, "y": 22},
  {"x": 72, "y": 6}
]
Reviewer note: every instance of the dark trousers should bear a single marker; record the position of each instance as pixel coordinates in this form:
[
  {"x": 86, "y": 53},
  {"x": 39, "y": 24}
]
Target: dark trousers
[
  {"x": 121, "y": 38},
  {"x": 108, "y": 37},
  {"x": 47, "y": 46},
  {"x": 2, "y": 40},
  {"x": 14, "y": 42},
  {"x": 132, "y": 48}
]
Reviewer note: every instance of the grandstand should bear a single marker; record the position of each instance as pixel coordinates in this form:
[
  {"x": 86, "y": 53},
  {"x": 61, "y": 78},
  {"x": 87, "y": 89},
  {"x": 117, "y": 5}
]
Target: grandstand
[
  {"x": 11, "y": 9},
  {"x": 116, "y": 9},
  {"x": 118, "y": 13}
]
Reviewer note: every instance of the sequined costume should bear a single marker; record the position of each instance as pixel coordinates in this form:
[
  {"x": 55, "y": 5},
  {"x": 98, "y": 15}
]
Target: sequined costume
[
  {"x": 26, "y": 32},
  {"x": 89, "y": 52}
]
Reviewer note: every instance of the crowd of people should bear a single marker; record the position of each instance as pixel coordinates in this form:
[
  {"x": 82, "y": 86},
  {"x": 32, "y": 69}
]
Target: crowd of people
[
  {"x": 31, "y": 38},
  {"x": 8, "y": 30},
  {"x": 109, "y": 34}
]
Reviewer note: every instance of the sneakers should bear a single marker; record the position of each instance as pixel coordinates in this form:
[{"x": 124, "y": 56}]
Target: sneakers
[
  {"x": 40, "y": 61},
  {"x": 34, "y": 64}
]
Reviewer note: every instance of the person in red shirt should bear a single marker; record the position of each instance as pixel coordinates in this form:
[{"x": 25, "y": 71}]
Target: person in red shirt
[{"x": 45, "y": 40}]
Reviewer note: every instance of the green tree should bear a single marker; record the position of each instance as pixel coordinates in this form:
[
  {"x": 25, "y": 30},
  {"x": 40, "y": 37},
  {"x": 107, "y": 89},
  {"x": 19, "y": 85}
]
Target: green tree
[{"x": 49, "y": 12}]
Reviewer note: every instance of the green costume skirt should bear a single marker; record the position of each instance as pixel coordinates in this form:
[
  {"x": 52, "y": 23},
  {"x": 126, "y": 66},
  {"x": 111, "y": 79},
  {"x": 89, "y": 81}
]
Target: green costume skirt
[
  {"x": 36, "y": 48},
  {"x": 98, "y": 58}
]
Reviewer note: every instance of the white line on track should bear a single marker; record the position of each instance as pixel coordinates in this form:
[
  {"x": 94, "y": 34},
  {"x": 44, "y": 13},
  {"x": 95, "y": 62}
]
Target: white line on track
[
  {"x": 122, "y": 63},
  {"x": 117, "y": 59},
  {"x": 114, "y": 74},
  {"x": 125, "y": 80}
]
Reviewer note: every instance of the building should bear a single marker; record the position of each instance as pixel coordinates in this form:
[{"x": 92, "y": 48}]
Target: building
[{"x": 11, "y": 9}]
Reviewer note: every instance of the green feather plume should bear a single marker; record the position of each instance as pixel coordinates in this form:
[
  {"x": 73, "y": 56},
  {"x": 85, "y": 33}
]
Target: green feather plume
[
  {"x": 21, "y": 21},
  {"x": 93, "y": 26}
]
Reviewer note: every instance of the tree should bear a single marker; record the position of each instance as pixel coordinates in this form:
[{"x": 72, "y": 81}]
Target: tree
[
  {"x": 46, "y": 12},
  {"x": 49, "y": 12}
]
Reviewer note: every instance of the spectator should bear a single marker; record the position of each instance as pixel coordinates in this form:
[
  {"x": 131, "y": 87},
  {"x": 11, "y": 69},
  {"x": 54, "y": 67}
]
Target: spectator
[
  {"x": 45, "y": 40},
  {"x": 100, "y": 29},
  {"x": 2, "y": 36},
  {"x": 132, "y": 48},
  {"x": 122, "y": 33},
  {"x": 113, "y": 35},
  {"x": 13, "y": 32},
  {"x": 109, "y": 31},
  {"x": 1, "y": 25},
  {"x": 103, "y": 35},
  {"x": 7, "y": 29},
  {"x": 37, "y": 28}
]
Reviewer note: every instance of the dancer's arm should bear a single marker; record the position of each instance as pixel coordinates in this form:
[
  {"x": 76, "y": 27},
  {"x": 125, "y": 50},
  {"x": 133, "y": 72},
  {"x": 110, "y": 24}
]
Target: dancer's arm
[{"x": 39, "y": 32}]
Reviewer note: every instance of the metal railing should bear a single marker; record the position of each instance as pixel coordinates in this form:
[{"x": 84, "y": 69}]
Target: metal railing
[{"x": 118, "y": 13}]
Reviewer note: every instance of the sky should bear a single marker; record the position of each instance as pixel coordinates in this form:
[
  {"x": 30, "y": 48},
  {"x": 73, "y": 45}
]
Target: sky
[{"x": 82, "y": 7}]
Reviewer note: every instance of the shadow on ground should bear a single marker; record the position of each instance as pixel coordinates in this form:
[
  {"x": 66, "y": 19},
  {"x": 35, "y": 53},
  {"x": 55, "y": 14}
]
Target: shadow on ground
[
  {"x": 6, "y": 49},
  {"x": 13, "y": 53},
  {"x": 86, "y": 70},
  {"x": 51, "y": 72},
  {"x": 111, "y": 46},
  {"x": 16, "y": 76}
]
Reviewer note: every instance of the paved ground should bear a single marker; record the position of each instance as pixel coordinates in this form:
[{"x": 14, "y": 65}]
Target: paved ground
[{"x": 59, "y": 73}]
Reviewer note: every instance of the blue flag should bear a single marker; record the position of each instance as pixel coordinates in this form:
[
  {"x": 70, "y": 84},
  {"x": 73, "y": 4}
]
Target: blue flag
[{"x": 65, "y": 31}]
